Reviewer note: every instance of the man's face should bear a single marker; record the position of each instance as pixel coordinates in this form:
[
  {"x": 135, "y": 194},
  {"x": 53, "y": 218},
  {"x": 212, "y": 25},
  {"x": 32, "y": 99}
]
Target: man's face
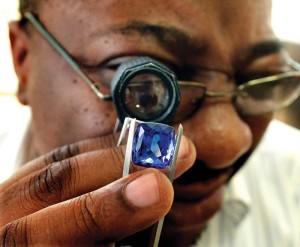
[{"x": 210, "y": 41}]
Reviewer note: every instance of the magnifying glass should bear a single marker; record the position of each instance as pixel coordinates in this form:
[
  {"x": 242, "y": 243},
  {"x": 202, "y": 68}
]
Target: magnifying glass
[{"x": 145, "y": 89}]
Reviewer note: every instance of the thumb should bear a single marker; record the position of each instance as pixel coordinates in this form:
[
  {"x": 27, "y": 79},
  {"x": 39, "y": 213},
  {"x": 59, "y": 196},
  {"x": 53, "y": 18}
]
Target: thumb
[{"x": 111, "y": 213}]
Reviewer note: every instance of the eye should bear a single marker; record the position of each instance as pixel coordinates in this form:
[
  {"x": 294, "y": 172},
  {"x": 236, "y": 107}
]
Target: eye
[
  {"x": 114, "y": 64},
  {"x": 102, "y": 74},
  {"x": 263, "y": 67},
  {"x": 242, "y": 78}
]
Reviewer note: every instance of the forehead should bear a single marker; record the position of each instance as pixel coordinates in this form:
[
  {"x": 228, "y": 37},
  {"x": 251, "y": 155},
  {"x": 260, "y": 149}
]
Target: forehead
[{"x": 220, "y": 26}]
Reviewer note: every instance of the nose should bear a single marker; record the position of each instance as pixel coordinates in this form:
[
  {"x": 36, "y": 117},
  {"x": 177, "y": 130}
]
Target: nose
[{"x": 219, "y": 134}]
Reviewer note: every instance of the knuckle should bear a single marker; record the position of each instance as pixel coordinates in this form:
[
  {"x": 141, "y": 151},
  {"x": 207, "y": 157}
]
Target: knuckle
[
  {"x": 55, "y": 183},
  {"x": 85, "y": 217},
  {"x": 8, "y": 199},
  {"x": 62, "y": 153},
  {"x": 14, "y": 234},
  {"x": 93, "y": 217}
]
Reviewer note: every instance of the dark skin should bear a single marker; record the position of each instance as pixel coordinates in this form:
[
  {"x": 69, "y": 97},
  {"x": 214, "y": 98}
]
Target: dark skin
[{"x": 82, "y": 181}]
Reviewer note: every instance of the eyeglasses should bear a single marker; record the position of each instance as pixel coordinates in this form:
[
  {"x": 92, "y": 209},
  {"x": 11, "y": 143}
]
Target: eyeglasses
[{"x": 145, "y": 89}]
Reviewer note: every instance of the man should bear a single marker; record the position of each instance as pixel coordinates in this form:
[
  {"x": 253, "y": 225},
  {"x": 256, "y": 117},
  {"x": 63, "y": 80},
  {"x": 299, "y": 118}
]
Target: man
[{"x": 74, "y": 195}]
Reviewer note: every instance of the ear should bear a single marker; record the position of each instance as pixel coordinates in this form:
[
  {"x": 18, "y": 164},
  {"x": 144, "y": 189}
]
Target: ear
[{"x": 20, "y": 54}]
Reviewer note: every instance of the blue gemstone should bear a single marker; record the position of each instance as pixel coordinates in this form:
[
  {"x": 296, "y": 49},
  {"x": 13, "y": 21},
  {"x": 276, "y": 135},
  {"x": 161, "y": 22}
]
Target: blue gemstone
[{"x": 153, "y": 145}]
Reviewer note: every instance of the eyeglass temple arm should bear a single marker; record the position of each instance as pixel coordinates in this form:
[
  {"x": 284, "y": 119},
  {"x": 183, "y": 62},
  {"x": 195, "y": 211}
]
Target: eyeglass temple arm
[
  {"x": 208, "y": 93},
  {"x": 62, "y": 52}
]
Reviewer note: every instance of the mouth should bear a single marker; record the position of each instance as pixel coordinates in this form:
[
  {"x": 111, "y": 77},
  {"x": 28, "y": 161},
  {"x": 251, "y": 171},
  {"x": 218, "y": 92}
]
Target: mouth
[
  {"x": 200, "y": 172},
  {"x": 200, "y": 181}
]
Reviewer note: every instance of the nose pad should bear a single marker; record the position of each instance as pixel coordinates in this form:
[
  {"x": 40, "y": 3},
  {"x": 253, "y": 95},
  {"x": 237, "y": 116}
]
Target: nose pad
[{"x": 219, "y": 134}]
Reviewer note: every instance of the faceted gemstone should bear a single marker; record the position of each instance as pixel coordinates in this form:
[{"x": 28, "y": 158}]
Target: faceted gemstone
[{"x": 153, "y": 145}]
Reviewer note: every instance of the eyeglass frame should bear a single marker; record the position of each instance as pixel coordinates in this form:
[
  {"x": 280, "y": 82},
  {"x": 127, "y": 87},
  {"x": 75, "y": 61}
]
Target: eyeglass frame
[{"x": 94, "y": 87}]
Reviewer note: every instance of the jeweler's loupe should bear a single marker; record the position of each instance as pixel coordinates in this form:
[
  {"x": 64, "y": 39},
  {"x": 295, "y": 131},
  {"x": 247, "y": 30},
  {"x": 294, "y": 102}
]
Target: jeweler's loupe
[{"x": 146, "y": 90}]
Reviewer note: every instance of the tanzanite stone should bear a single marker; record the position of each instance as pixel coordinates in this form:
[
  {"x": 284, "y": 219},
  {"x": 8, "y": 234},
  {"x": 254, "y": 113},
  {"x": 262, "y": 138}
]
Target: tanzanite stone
[{"x": 153, "y": 145}]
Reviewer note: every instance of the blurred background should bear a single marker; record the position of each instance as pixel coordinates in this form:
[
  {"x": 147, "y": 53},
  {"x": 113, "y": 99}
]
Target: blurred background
[{"x": 286, "y": 20}]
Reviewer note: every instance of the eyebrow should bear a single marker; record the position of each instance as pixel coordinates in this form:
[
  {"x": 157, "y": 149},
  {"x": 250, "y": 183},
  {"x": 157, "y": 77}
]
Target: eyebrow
[
  {"x": 168, "y": 36},
  {"x": 176, "y": 39},
  {"x": 261, "y": 49}
]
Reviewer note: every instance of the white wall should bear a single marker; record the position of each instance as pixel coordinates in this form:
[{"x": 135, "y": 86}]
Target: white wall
[{"x": 286, "y": 19}]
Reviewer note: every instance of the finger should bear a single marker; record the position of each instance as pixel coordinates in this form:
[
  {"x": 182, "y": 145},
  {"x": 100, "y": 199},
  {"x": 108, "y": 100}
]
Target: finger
[
  {"x": 72, "y": 177},
  {"x": 60, "y": 181},
  {"x": 62, "y": 153},
  {"x": 186, "y": 156},
  {"x": 102, "y": 216}
]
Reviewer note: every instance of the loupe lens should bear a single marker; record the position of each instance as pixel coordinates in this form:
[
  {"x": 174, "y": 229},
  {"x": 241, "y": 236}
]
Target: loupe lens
[{"x": 146, "y": 96}]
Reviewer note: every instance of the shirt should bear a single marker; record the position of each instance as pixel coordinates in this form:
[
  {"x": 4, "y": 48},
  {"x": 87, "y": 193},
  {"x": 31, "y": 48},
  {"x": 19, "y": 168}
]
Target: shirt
[{"x": 261, "y": 205}]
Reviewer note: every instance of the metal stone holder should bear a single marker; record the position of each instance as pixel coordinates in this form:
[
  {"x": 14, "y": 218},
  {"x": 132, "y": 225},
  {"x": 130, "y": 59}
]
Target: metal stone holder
[{"x": 130, "y": 124}]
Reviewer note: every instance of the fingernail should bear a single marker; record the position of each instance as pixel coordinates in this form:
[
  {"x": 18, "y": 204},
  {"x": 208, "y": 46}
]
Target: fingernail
[
  {"x": 184, "y": 149},
  {"x": 143, "y": 191}
]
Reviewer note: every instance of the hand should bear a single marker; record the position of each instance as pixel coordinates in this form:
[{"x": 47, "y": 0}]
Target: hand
[{"x": 74, "y": 196}]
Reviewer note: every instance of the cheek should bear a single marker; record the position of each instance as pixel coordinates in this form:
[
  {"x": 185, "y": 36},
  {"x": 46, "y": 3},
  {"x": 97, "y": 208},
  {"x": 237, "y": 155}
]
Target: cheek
[
  {"x": 67, "y": 111},
  {"x": 258, "y": 125}
]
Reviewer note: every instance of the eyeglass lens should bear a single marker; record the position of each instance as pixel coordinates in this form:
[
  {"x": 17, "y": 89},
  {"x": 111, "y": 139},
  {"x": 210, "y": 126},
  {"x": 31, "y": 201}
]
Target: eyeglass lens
[{"x": 268, "y": 96}]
